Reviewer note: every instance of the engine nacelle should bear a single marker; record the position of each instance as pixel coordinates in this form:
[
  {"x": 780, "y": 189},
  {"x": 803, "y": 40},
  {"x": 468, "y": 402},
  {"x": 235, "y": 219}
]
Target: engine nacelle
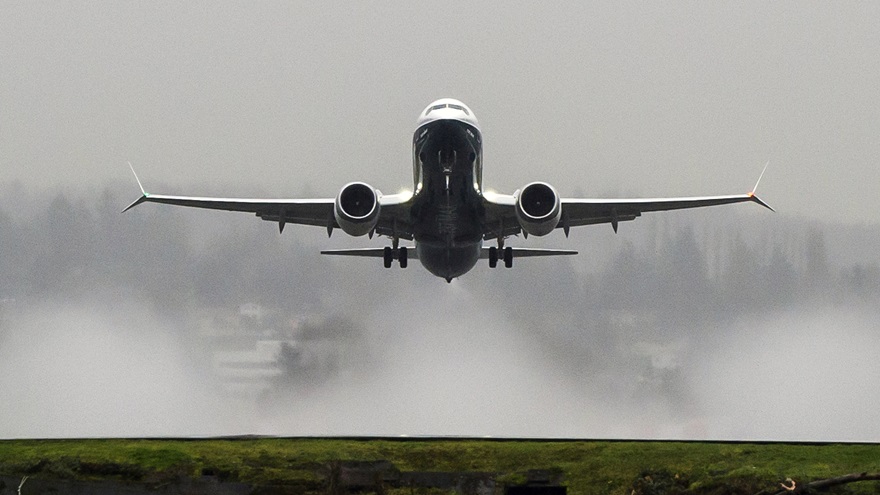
[
  {"x": 538, "y": 208},
  {"x": 357, "y": 208}
]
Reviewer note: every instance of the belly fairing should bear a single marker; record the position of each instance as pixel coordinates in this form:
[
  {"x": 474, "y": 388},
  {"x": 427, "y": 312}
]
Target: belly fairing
[{"x": 448, "y": 262}]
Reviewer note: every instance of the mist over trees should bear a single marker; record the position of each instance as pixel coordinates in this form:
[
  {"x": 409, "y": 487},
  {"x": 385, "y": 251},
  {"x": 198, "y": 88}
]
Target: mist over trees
[
  {"x": 673, "y": 273},
  {"x": 71, "y": 245},
  {"x": 627, "y": 319}
]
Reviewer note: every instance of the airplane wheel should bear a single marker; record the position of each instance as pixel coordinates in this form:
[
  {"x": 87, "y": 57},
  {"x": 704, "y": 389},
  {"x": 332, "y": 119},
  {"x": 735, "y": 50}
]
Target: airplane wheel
[
  {"x": 402, "y": 257},
  {"x": 493, "y": 257},
  {"x": 388, "y": 256},
  {"x": 508, "y": 257}
]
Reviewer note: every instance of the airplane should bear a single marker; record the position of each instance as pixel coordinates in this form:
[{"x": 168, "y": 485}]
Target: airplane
[{"x": 448, "y": 215}]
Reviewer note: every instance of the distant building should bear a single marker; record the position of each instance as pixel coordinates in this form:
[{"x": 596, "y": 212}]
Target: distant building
[{"x": 245, "y": 346}]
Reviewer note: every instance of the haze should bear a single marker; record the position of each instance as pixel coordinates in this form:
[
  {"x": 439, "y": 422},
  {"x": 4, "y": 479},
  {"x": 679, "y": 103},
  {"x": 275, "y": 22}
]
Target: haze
[{"x": 731, "y": 323}]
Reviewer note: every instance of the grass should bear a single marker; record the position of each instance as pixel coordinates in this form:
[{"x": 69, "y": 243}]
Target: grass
[{"x": 589, "y": 467}]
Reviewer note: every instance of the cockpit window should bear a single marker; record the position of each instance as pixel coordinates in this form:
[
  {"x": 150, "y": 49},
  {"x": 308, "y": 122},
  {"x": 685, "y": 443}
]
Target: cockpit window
[
  {"x": 435, "y": 107},
  {"x": 459, "y": 107},
  {"x": 447, "y": 105}
]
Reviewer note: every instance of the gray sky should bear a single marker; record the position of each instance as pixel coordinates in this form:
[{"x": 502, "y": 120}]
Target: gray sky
[{"x": 286, "y": 98}]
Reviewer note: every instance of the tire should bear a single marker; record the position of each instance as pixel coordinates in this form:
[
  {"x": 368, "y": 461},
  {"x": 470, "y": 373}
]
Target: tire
[
  {"x": 388, "y": 256},
  {"x": 402, "y": 257}
]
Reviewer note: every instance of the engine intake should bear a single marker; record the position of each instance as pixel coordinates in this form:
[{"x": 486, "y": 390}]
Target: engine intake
[
  {"x": 538, "y": 208},
  {"x": 357, "y": 208}
]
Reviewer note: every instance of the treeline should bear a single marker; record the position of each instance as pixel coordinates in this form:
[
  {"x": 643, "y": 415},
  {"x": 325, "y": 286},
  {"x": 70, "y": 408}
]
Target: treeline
[
  {"x": 70, "y": 247},
  {"x": 611, "y": 317},
  {"x": 716, "y": 274},
  {"x": 73, "y": 247}
]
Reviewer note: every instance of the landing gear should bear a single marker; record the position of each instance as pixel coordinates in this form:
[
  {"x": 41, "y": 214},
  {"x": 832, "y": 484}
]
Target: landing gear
[
  {"x": 388, "y": 256},
  {"x": 508, "y": 257}
]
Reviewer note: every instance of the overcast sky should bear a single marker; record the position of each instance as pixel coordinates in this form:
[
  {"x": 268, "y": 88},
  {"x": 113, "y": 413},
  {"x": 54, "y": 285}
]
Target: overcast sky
[
  {"x": 286, "y": 98},
  {"x": 290, "y": 99}
]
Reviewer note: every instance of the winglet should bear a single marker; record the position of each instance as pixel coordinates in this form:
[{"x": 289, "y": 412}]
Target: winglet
[
  {"x": 760, "y": 202},
  {"x": 135, "y": 203},
  {"x": 143, "y": 192},
  {"x": 754, "y": 189},
  {"x": 752, "y": 195}
]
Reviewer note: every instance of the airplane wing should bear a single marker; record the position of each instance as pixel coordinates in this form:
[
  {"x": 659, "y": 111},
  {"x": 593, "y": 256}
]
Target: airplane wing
[
  {"x": 577, "y": 212},
  {"x": 502, "y": 221},
  {"x": 501, "y": 210},
  {"x": 317, "y": 212},
  {"x": 302, "y": 211}
]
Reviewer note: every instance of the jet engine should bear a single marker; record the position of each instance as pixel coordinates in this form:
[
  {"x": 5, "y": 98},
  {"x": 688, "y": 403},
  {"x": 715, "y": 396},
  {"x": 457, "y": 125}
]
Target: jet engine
[
  {"x": 538, "y": 208},
  {"x": 357, "y": 208}
]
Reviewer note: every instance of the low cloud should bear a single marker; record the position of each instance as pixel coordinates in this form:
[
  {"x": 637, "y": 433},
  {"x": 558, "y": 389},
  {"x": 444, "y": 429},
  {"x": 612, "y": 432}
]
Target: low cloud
[
  {"x": 681, "y": 326},
  {"x": 103, "y": 370}
]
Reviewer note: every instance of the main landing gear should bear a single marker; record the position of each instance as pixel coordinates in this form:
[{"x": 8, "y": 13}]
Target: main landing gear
[
  {"x": 389, "y": 253},
  {"x": 506, "y": 255}
]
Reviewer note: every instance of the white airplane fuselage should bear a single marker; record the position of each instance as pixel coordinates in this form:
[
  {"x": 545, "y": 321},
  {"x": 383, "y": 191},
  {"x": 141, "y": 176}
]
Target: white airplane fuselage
[{"x": 447, "y": 211}]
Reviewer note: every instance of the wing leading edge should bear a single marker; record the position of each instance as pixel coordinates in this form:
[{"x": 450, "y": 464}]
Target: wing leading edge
[
  {"x": 317, "y": 212},
  {"x": 577, "y": 212}
]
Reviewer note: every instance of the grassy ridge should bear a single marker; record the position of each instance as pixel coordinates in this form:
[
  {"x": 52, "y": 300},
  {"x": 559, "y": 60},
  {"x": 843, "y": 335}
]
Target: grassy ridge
[{"x": 590, "y": 467}]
